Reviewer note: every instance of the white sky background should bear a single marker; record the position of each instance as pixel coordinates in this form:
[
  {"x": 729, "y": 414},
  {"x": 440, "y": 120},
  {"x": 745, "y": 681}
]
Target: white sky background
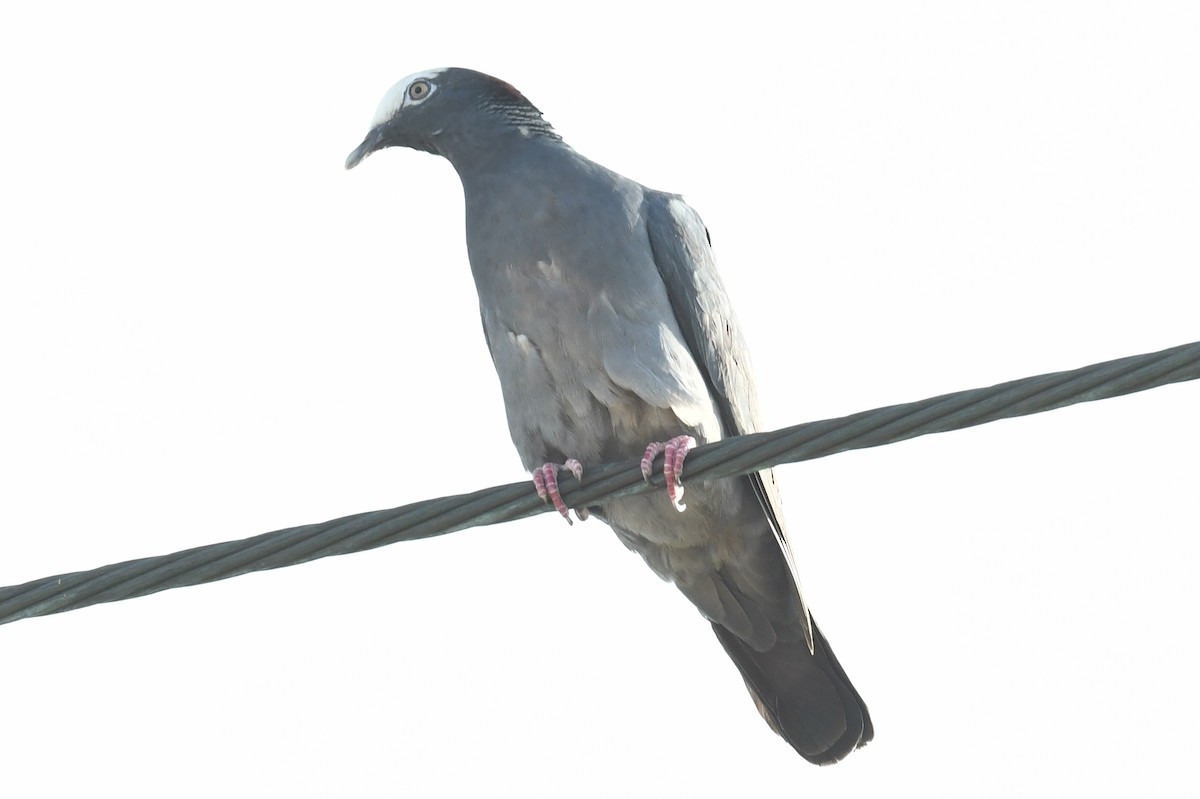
[{"x": 209, "y": 330}]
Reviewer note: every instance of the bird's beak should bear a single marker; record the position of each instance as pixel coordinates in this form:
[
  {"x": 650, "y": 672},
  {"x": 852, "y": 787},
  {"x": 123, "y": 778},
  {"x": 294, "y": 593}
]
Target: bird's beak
[{"x": 373, "y": 142}]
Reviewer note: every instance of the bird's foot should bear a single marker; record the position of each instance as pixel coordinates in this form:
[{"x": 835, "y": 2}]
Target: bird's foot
[
  {"x": 674, "y": 451},
  {"x": 545, "y": 480}
]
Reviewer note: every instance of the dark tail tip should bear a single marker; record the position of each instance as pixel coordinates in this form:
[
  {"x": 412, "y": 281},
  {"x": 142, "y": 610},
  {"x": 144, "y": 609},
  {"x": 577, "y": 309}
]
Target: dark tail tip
[{"x": 806, "y": 698}]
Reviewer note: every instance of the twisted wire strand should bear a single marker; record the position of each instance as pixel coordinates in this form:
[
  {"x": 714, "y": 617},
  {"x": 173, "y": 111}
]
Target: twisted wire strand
[{"x": 739, "y": 455}]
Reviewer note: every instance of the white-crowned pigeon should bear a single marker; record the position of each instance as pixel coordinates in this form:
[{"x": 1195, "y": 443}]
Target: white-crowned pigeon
[{"x": 612, "y": 337}]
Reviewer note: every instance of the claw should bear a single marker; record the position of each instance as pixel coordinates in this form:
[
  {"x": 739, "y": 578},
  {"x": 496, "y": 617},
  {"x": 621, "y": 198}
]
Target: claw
[
  {"x": 652, "y": 452},
  {"x": 674, "y": 451},
  {"x": 545, "y": 481}
]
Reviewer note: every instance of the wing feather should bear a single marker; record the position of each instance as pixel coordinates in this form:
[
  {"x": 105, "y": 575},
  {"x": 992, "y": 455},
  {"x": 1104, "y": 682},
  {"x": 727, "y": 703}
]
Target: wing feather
[{"x": 683, "y": 255}]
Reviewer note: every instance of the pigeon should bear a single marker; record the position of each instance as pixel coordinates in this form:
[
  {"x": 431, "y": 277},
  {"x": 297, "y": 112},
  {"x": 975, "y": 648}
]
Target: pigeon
[{"x": 613, "y": 337}]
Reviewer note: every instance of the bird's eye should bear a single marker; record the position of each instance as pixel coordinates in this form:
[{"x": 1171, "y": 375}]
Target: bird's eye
[{"x": 419, "y": 90}]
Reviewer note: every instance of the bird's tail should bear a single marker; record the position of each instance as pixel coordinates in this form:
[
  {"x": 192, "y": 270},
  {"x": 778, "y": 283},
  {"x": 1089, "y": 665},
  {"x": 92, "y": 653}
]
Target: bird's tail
[{"x": 806, "y": 698}]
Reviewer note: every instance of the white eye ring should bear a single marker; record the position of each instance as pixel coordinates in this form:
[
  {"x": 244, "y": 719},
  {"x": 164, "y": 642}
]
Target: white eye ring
[{"x": 419, "y": 90}]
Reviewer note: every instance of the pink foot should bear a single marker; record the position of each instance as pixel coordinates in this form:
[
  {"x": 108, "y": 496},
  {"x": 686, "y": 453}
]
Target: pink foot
[
  {"x": 674, "y": 451},
  {"x": 545, "y": 480}
]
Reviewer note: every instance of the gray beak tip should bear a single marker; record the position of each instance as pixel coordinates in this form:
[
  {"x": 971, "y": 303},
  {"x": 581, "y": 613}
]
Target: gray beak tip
[{"x": 372, "y": 142}]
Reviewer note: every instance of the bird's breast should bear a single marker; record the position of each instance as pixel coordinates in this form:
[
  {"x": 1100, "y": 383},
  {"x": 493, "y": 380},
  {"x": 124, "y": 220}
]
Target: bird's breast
[{"x": 591, "y": 360}]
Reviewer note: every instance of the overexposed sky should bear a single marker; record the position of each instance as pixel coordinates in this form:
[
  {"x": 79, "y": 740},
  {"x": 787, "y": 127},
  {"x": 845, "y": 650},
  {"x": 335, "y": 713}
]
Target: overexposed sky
[{"x": 209, "y": 330}]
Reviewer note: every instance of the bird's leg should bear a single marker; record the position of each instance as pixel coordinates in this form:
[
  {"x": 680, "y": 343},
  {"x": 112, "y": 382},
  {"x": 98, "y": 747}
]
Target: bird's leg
[
  {"x": 674, "y": 451},
  {"x": 545, "y": 480}
]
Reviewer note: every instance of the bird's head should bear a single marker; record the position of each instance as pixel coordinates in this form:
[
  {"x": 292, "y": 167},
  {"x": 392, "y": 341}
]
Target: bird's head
[{"x": 451, "y": 111}]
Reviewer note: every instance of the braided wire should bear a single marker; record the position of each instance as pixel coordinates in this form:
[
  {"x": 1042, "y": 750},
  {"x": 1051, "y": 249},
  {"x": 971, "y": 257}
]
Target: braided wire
[{"x": 731, "y": 456}]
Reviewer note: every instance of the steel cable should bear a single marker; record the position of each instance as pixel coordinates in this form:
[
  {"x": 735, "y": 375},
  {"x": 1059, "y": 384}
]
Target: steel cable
[{"x": 731, "y": 456}]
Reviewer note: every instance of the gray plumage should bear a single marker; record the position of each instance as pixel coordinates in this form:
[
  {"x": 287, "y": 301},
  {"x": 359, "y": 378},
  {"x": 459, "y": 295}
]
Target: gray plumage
[{"x": 609, "y": 328}]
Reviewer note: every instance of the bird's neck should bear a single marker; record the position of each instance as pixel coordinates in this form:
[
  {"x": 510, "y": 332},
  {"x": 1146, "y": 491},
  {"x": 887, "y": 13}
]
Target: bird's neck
[{"x": 513, "y": 154}]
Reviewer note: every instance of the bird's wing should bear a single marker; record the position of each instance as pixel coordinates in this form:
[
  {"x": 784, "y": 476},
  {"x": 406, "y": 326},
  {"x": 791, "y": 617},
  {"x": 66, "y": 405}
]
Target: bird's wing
[{"x": 682, "y": 253}]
